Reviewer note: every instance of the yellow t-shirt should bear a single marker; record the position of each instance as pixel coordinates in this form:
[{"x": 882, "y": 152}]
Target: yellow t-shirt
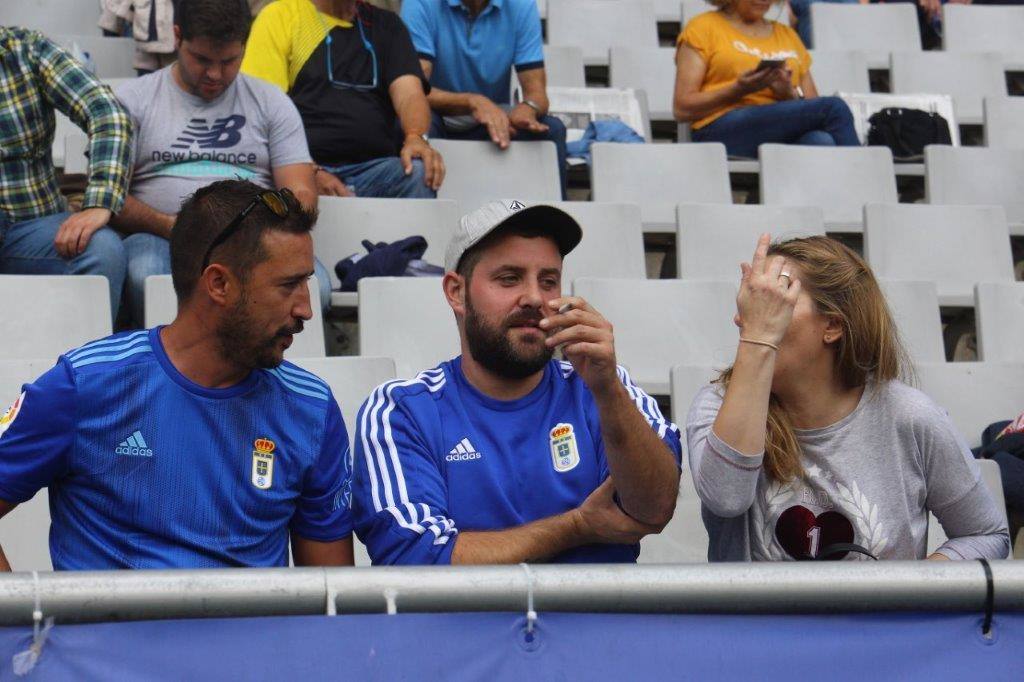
[
  {"x": 727, "y": 53},
  {"x": 284, "y": 35}
]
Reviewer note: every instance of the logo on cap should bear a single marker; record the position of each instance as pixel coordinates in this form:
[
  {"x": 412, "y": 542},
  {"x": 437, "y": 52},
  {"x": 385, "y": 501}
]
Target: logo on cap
[{"x": 516, "y": 206}]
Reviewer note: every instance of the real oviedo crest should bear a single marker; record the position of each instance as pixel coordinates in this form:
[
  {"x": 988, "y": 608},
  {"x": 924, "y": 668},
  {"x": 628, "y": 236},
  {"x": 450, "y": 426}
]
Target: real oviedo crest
[
  {"x": 263, "y": 463},
  {"x": 564, "y": 455}
]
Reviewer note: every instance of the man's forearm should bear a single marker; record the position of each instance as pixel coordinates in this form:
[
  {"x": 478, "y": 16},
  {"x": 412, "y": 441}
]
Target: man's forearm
[
  {"x": 645, "y": 473},
  {"x": 450, "y": 103},
  {"x": 534, "y": 541},
  {"x": 414, "y": 114},
  {"x": 137, "y": 216}
]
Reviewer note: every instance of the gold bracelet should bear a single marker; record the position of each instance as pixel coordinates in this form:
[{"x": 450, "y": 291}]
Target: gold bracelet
[{"x": 760, "y": 343}]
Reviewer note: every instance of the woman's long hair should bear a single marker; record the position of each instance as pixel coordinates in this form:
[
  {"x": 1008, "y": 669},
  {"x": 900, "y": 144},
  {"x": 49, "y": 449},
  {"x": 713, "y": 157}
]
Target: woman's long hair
[{"x": 844, "y": 288}]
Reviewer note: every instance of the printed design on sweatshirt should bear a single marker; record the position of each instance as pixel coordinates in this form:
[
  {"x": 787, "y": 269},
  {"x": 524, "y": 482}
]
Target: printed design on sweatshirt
[{"x": 800, "y": 519}]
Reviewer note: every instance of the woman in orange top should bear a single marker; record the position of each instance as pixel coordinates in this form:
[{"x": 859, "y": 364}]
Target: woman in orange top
[{"x": 728, "y": 99}]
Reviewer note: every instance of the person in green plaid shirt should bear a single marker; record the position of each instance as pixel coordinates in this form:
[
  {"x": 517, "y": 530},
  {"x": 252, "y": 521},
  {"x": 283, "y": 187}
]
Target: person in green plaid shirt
[{"x": 37, "y": 233}]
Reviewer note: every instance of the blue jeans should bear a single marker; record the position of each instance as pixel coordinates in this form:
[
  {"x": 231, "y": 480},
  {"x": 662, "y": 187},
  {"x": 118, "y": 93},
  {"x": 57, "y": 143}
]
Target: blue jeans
[
  {"x": 802, "y": 11},
  {"x": 26, "y": 248},
  {"x": 822, "y": 121},
  {"x": 555, "y": 133},
  {"x": 149, "y": 254},
  {"x": 384, "y": 178}
]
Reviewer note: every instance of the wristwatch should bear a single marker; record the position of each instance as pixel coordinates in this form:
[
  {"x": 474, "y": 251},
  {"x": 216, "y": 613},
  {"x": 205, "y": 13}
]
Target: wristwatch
[{"x": 533, "y": 105}]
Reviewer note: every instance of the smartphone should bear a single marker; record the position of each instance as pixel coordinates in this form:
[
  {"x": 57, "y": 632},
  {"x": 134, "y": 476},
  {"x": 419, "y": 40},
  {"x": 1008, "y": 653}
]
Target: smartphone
[{"x": 770, "y": 64}]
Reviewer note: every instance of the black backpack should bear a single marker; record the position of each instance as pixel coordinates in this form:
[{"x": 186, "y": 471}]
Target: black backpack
[{"x": 907, "y": 131}]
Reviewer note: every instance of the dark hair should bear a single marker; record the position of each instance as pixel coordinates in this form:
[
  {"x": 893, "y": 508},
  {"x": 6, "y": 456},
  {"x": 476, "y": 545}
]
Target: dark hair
[
  {"x": 209, "y": 211},
  {"x": 472, "y": 256},
  {"x": 223, "y": 21}
]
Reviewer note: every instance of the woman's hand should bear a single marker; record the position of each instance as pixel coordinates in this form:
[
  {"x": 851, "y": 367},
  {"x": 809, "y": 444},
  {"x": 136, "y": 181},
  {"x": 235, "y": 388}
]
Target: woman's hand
[
  {"x": 754, "y": 80},
  {"x": 767, "y": 296},
  {"x": 782, "y": 84}
]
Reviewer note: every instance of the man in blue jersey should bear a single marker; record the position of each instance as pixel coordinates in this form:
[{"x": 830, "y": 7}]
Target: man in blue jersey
[
  {"x": 503, "y": 454},
  {"x": 194, "y": 445}
]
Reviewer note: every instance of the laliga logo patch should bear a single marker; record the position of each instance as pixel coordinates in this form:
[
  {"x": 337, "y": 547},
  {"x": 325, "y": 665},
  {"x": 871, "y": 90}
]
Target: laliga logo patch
[
  {"x": 11, "y": 414},
  {"x": 564, "y": 455},
  {"x": 263, "y": 463}
]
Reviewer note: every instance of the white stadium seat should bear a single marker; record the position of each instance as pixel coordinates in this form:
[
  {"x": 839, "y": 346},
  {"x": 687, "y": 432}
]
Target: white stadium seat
[
  {"x": 478, "y": 172},
  {"x": 980, "y": 28},
  {"x": 838, "y": 179},
  {"x": 999, "y": 316},
  {"x": 651, "y": 69},
  {"x": 660, "y": 176},
  {"x": 563, "y": 66},
  {"x": 953, "y": 246},
  {"x": 111, "y": 57},
  {"x": 612, "y": 245},
  {"x": 352, "y": 379},
  {"x": 597, "y": 25},
  {"x": 663, "y": 323},
  {"x": 345, "y": 222},
  {"x": 839, "y": 71},
  {"x": 691, "y": 8},
  {"x": 1004, "y": 122},
  {"x": 53, "y": 17},
  {"x": 161, "y": 304},
  {"x": 966, "y": 76},
  {"x": 977, "y": 175},
  {"x": 974, "y": 393},
  {"x": 915, "y": 310},
  {"x": 714, "y": 239},
  {"x": 876, "y": 29},
  {"x": 46, "y": 315},
  {"x": 408, "y": 319}
]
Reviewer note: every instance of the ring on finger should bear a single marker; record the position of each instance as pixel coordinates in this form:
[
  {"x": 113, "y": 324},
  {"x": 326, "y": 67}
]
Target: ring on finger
[{"x": 786, "y": 275}]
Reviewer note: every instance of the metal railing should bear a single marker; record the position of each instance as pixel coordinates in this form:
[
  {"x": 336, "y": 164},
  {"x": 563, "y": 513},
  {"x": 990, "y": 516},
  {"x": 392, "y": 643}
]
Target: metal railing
[{"x": 827, "y": 587}]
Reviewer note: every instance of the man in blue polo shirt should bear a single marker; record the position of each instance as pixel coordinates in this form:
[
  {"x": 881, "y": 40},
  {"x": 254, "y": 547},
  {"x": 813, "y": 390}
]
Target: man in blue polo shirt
[
  {"x": 503, "y": 454},
  {"x": 194, "y": 445},
  {"x": 467, "y": 49}
]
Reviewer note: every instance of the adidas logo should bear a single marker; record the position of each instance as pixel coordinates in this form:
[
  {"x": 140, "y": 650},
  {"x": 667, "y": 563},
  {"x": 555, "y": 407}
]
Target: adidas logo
[
  {"x": 463, "y": 452},
  {"x": 134, "y": 445}
]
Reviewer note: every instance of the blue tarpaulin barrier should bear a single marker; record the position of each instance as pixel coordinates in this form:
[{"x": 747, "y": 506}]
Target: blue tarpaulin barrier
[{"x": 565, "y": 646}]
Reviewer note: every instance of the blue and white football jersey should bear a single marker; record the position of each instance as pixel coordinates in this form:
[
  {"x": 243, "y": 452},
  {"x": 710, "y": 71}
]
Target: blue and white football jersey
[
  {"x": 434, "y": 456},
  {"x": 147, "y": 469}
]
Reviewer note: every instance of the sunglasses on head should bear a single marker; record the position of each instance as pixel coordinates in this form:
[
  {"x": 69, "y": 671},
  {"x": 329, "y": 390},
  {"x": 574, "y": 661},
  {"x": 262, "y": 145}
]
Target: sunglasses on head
[{"x": 276, "y": 200}]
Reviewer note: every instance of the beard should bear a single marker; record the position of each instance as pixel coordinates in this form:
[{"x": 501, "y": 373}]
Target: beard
[
  {"x": 493, "y": 347},
  {"x": 243, "y": 339}
]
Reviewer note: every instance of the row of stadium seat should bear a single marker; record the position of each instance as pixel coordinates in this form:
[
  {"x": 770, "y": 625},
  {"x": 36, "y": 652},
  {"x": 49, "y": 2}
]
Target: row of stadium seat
[{"x": 408, "y": 319}]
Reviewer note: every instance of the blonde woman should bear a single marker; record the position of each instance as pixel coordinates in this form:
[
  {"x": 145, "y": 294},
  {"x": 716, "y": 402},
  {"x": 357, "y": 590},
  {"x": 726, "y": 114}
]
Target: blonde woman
[
  {"x": 810, "y": 446},
  {"x": 744, "y": 80}
]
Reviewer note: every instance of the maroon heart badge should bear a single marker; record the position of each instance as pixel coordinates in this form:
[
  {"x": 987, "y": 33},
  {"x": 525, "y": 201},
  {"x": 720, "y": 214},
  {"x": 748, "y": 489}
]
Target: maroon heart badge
[{"x": 803, "y": 535}]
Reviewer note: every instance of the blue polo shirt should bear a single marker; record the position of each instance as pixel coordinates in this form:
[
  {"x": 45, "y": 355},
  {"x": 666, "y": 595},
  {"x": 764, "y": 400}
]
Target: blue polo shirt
[
  {"x": 434, "y": 456},
  {"x": 476, "y": 54}
]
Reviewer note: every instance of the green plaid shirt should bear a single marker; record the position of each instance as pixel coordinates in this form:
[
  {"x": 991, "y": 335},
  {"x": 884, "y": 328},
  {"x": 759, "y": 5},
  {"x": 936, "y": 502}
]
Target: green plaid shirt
[{"x": 36, "y": 77}]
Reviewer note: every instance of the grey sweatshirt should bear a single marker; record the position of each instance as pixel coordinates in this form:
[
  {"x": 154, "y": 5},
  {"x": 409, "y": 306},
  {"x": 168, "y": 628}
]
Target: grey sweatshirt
[{"x": 870, "y": 479}]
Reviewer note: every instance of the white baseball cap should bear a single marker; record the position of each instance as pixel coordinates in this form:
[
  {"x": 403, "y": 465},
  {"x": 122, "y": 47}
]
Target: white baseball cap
[{"x": 473, "y": 227}]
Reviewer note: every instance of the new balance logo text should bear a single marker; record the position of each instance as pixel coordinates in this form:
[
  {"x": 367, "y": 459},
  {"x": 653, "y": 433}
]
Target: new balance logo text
[
  {"x": 135, "y": 446},
  {"x": 221, "y": 135},
  {"x": 463, "y": 452}
]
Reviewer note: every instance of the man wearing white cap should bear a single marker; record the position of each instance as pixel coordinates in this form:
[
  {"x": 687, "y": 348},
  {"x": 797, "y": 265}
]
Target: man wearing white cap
[{"x": 503, "y": 454}]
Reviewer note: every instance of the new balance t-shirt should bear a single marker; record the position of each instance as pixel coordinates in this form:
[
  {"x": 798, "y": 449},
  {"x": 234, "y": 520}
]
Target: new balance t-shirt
[
  {"x": 183, "y": 142},
  {"x": 435, "y": 456},
  {"x": 345, "y": 125},
  {"x": 149, "y": 470}
]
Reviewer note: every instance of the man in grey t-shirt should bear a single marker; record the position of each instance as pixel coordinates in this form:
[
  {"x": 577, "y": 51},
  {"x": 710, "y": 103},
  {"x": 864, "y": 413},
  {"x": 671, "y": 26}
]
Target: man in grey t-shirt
[{"x": 198, "y": 121}]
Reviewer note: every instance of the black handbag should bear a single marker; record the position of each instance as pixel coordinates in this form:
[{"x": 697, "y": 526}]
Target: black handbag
[{"x": 907, "y": 131}]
